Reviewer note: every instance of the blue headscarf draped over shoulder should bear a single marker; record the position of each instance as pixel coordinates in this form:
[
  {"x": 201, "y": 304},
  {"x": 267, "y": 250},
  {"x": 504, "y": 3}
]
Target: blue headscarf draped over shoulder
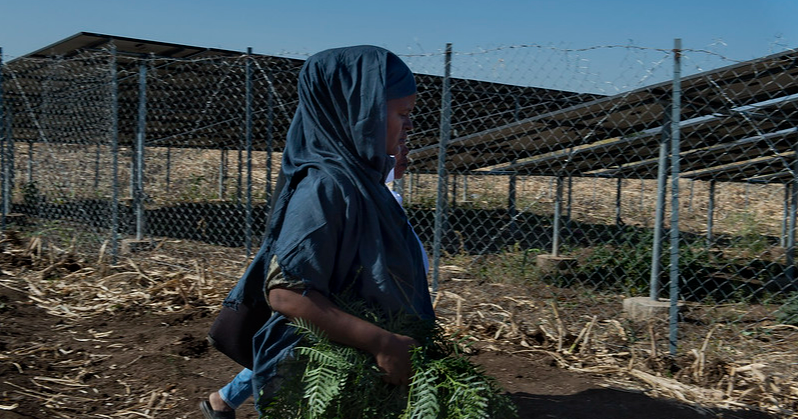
[{"x": 334, "y": 224}]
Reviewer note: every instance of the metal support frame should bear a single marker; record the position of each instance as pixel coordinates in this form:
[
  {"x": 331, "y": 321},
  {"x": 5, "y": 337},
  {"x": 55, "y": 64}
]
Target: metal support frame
[
  {"x": 454, "y": 203},
  {"x": 222, "y": 174},
  {"x": 512, "y": 207},
  {"x": 569, "y": 198},
  {"x": 114, "y": 155},
  {"x": 556, "y": 220},
  {"x": 4, "y": 135},
  {"x": 711, "y": 208},
  {"x": 248, "y": 139},
  {"x": 270, "y": 120},
  {"x": 674, "y": 259},
  {"x": 658, "y": 229},
  {"x": 138, "y": 172},
  {"x": 441, "y": 199},
  {"x": 239, "y": 169},
  {"x": 790, "y": 245},
  {"x": 618, "y": 202}
]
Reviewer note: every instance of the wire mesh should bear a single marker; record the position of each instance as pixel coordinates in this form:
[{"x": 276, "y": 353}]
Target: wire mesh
[{"x": 551, "y": 173}]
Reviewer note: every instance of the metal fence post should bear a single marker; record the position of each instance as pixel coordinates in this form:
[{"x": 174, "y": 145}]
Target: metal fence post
[
  {"x": 618, "y": 202},
  {"x": 569, "y": 201},
  {"x": 138, "y": 188},
  {"x": 114, "y": 156},
  {"x": 30, "y": 162},
  {"x": 790, "y": 245},
  {"x": 441, "y": 198},
  {"x": 657, "y": 239},
  {"x": 270, "y": 119},
  {"x": 556, "y": 222},
  {"x": 711, "y": 207},
  {"x": 674, "y": 271},
  {"x": 222, "y": 173},
  {"x": 3, "y": 135},
  {"x": 248, "y": 134},
  {"x": 512, "y": 209},
  {"x": 239, "y": 180}
]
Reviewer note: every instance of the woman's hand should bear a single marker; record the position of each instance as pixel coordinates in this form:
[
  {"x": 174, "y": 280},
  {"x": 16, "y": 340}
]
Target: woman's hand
[
  {"x": 392, "y": 351},
  {"x": 394, "y": 358}
]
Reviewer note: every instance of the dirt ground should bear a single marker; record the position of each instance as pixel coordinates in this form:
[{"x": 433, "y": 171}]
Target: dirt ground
[{"x": 82, "y": 339}]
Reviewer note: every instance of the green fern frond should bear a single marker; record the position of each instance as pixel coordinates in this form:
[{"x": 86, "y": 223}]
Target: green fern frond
[
  {"x": 322, "y": 386},
  {"x": 341, "y": 382},
  {"x": 423, "y": 396}
]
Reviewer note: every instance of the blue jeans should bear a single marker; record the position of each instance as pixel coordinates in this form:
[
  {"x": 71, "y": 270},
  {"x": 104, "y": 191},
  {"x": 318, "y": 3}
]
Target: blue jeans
[{"x": 239, "y": 390}]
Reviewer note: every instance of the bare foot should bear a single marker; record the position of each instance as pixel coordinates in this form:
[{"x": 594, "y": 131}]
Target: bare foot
[{"x": 217, "y": 403}]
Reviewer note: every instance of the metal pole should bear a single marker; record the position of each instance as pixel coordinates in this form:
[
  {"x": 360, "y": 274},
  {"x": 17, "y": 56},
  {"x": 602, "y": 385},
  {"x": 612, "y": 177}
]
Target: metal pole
[
  {"x": 270, "y": 118},
  {"x": 3, "y": 138},
  {"x": 441, "y": 199},
  {"x": 12, "y": 158},
  {"x": 248, "y": 133},
  {"x": 465, "y": 192},
  {"x": 657, "y": 239},
  {"x": 454, "y": 190},
  {"x": 568, "y": 204},
  {"x": 239, "y": 182},
  {"x": 790, "y": 245},
  {"x": 674, "y": 269},
  {"x": 222, "y": 172},
  {"x": 512, "y": 211},
  {"x": 618, "y": 202},
  {"x": 114, "y": 156},
  {"x": 138, "y": 188},
  {"x": 556, "y": 223},
  {"x": 711, "y": 205}
]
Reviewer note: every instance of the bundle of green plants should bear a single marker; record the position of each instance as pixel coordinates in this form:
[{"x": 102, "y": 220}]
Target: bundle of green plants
[{"x": 341, "y": 382}]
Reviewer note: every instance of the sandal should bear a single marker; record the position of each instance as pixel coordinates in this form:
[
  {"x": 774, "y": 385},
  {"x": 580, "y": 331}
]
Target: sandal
[{"x": 210, "y": 413}]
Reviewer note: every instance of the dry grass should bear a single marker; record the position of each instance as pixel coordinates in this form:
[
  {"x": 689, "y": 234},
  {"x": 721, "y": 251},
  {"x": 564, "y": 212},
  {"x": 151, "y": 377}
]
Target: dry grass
[{"x": 717, "y": 366}]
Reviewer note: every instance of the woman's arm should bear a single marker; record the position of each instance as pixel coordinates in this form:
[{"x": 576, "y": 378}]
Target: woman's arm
[{"x": 391, "y": 350}]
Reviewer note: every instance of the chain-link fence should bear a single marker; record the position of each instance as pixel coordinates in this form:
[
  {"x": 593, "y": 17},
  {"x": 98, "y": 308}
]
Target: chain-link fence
[{"x": 529, "y": 164}]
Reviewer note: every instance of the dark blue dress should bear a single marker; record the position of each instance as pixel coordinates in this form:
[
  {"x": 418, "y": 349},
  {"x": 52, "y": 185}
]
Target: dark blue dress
[{"x": 334, "y": 224}]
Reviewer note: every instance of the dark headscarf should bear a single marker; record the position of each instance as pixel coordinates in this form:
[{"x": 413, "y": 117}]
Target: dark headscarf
[{"x": 334, "y": 224}]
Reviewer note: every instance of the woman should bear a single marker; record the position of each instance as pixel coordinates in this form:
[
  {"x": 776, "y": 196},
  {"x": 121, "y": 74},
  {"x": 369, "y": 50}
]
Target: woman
[
  {"x": 334, "y": 225},
  {"x": 222, "y": 404}
]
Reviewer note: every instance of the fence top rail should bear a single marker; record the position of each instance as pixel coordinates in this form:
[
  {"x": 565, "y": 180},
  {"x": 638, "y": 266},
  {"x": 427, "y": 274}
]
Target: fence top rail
[{"x": 747, "y": 100}]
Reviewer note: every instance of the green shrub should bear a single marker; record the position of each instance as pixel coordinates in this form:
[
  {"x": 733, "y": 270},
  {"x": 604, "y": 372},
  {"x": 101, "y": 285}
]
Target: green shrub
[{"x": 342, "y": 382}]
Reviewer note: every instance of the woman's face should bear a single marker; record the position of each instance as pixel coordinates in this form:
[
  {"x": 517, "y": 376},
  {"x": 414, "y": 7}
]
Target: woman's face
[{"x": 398, "y": 122}]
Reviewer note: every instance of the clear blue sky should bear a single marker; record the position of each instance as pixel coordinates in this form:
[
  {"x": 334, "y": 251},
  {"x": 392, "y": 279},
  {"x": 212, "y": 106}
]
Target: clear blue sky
[
  {"x": 749, "y": 28},
  {"x": 734, "y": 29}
]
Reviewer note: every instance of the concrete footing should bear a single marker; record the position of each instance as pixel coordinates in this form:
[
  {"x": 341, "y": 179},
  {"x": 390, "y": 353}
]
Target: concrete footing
[
  {"x": 554, "y": 264},
  {"x": 645, "y": 308}
]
